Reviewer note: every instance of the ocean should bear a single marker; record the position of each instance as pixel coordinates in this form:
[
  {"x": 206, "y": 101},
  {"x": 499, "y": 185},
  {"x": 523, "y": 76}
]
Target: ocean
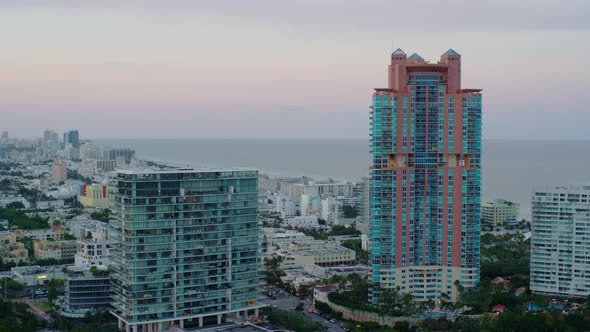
[{"x": 510, "y": 169}]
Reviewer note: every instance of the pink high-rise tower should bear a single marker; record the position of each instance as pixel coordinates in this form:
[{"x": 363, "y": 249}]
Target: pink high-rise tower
[{"x": 425, "y": 179}]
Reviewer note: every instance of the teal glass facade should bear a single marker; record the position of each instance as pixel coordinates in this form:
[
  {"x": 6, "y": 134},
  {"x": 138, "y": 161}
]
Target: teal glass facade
[
  {"x": 425, "y": 179},
  {"x": 187, "y": 246}
]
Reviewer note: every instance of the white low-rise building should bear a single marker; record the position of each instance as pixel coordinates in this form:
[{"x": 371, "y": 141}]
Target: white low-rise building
[
  {"x": 321, "y": 292},
  {"x": 55, "y": 234},
  {"x": 328, "y": 254},
  {"x": 285, "y": 206},
  {"x": 310, "y": 205},
  {"x": 307, "y": 222},
  {"x": 59, "y": 250},
  {"x": 36, "y": 275},
  {"x": 92, "y": 253},
  {"x": 54, "y": 204},
  {"x": 7, "y": 199},
  {"x": 499, "y": 212},
  {"x": 80, "y": 226},
  {"x": 365, "y": 242},
  {"x": 331, "y": 210}
]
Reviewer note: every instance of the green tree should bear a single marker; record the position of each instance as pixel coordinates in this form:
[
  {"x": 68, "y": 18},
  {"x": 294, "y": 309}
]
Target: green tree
[
  {"x": 273, "y": 264},
  {"x": 5, "y": 184},
  {"x": 339, "y": 280},
  {"x": 389, "y": 297},
  {"x": 355, "y": 244},
  {"x": 68, "y": 236},
  {"x": 402, "y": 326},
  {"x": 15, "y": 205},
  {"x": 55, "y": 289},
  {"x": 349, "y": 211},
  {"x": 291, "y": 320},
  {"x": 103, "y": 215},
  {"x": 11, "y": 284},
  {"x": 19, "y": 219},
  {"x": 341, "y": 230}
]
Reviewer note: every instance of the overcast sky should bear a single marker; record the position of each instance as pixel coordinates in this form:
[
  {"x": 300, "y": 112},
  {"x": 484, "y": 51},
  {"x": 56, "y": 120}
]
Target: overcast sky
[{"x": 281, "y": 69}]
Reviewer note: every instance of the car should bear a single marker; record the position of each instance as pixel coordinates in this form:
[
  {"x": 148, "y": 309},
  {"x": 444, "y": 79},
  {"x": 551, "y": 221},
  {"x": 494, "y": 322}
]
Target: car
[{"x": 332, "y": 320}]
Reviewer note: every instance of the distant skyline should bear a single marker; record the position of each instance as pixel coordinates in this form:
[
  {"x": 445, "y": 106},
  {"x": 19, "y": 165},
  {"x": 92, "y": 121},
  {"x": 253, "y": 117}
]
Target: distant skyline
[{"x": 278, "y": 68}]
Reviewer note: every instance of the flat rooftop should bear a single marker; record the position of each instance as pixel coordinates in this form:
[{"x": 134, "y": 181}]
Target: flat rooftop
[{"x": 175, "y": 170}]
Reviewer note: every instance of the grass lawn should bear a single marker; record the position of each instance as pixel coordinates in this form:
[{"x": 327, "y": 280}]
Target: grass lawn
[{"x": 44, "y": 305}]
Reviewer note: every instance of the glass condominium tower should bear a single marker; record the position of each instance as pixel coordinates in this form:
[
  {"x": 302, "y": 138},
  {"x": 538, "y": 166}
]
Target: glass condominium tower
[
  {"x": 425, "y": 179},
  {"x": 186, "y": 251}
]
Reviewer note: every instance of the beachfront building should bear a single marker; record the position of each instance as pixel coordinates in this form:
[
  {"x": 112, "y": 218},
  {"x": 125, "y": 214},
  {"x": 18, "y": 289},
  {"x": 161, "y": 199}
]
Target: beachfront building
[
  {"x": 105, "y": 165},
  {"x": 185, "y": 249},
  {"x": 89, "y": 151},
  {"x": 560, "y": 241},
  {"x": 124, "y": 154},
  {"x": 50, "y": 140},
  {"x": 499, "y": 212},
  {"x": 425, "y": 179},
  {"x": 295, "y": 189},
  {"x": 72, "y": 137}
]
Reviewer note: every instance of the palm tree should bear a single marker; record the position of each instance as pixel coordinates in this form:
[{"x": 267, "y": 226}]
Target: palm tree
[
  {"x": 389, "y": 297},
  {"x": 273, "y": 264}
]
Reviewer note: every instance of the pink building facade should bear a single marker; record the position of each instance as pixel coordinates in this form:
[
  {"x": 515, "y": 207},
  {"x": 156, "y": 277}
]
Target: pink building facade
[
  {"x": 425, "y": 179},
  {"x": 59, "y": 171}
]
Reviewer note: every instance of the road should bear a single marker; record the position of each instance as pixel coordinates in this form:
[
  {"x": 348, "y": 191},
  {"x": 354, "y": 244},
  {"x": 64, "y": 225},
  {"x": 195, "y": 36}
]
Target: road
[
  {"x": 288, "y": 302},
  {"x": 332, "y": 327},
  {"x": 36, "y": 309}
]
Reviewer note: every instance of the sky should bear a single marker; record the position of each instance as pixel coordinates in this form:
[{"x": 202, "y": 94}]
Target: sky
[{"x": 281, "y": 68}]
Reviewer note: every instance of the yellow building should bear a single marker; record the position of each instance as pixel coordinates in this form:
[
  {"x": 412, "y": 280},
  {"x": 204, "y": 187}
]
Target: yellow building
[
  {"x": 54, "y": 233},
  {"x": 97, "y": 196},
  {"x": 54, "y": 249},
  {"x": 14, "y": 252}
]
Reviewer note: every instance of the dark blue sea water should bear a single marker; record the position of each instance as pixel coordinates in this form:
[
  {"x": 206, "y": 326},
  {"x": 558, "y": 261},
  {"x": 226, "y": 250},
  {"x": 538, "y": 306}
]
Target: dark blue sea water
[{"x": 511, "y": 169}]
